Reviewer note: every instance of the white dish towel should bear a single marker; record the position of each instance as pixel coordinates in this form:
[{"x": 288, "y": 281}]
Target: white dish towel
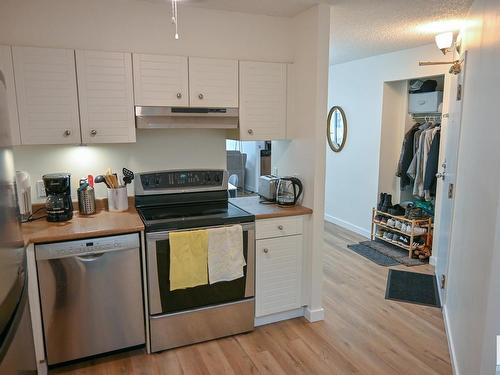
[{"x": 225, "y": 254}]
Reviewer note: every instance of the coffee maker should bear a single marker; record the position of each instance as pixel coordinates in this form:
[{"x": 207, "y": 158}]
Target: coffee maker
[{"x": 58, "y": 189}]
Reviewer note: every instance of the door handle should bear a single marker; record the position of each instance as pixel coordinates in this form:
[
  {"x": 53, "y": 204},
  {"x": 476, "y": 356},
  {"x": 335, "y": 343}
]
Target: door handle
[{"x": 441, "y": 175}]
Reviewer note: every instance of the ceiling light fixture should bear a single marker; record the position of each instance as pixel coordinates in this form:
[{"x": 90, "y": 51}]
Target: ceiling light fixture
[
  {"x": 444, "y": 42},
  {"x": 175, "y": 18}
]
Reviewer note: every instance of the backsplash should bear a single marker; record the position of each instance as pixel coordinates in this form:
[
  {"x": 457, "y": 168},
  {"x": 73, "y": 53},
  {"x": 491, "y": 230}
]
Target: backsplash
[{"x": 154, "y": 150}]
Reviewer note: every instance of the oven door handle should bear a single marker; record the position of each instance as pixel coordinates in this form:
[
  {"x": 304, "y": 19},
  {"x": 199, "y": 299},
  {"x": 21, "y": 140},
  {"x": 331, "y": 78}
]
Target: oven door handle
[{"x": 158, "y": 236}]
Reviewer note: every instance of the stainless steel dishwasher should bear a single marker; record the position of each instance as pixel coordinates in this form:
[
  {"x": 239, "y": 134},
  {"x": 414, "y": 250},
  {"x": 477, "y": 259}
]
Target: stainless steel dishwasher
[{"x": 91, "y": 296}]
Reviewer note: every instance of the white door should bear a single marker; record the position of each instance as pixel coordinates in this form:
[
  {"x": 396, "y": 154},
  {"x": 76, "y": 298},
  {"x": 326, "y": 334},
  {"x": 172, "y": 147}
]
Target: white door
[
  {"x": 8, "y": 75},
  {"x": 46, "y": 92},
  {"x": 263, "y": 101},
  {"x": 106, "y": 96},
  {"x": 448, "y": 173},
  {"x": 213, "y": 82},
  {"x": 160, "y": 80}
]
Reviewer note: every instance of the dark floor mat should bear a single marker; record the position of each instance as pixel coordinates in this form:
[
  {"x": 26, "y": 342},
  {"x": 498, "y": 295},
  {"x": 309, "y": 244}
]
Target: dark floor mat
[
  {"x": 412, "y": 287},
  {"x": 373, "y": 255},
  {"x": 394, "y": 252}
]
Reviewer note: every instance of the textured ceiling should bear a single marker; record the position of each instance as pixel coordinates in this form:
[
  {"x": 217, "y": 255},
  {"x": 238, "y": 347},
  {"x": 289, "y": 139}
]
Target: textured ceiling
[{"x": 360, "y": 28}]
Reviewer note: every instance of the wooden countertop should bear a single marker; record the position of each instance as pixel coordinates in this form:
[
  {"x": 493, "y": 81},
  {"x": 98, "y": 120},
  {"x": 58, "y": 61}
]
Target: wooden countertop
[
  {"x": 268, "y": 211},
  {"x": 102, "y": 223}
]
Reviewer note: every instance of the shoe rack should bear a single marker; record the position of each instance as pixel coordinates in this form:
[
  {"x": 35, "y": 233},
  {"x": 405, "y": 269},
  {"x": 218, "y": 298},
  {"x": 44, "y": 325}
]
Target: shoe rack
[{"x": 412, "y": 247}]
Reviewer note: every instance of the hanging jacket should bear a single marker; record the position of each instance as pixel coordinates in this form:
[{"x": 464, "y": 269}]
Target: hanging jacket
[
  {"x": 406, "y": 157},
  {"x": 432, "y": 167}
]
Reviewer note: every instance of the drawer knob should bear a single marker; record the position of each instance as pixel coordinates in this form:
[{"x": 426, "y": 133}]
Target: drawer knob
[
  {"x": 200, "y": 96},
  {"x": 179, "y": 95},
  {"x": 250, "y": 131},
  {"x": 67, "y": 133},
  {"x": 280, "y": 227},
  {"x": 93, "y": 132},
  {"x": 265, "y": 250}
]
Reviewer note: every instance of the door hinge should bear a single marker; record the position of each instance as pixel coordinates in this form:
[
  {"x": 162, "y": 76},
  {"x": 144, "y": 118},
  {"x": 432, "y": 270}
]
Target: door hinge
[
  {"x": 459, "y": 92},
  {"x": 450, "y": 191},
  {"x": 442, "y": 281}
]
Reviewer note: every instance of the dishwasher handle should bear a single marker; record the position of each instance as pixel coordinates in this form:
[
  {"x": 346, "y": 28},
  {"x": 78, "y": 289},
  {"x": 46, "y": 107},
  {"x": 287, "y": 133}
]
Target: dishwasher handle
[{"x": 89, "y": 257}]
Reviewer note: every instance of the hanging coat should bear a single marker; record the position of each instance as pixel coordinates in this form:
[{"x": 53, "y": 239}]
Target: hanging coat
[
  {"x": 406, "y": 157},
  {"x": 432, "y": 167}
]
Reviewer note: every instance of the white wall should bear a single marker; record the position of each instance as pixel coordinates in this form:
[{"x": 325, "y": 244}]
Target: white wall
[
  {"x": 304, "y": 156},
  {"x": 352, "y": 175},
  {"x": 473, "y": 292},
  {"x": 139, "y": 26}
]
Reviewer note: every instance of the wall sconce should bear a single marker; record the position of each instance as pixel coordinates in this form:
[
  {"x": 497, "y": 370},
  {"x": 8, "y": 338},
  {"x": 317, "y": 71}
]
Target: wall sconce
[{"x": 444, "y": 42}]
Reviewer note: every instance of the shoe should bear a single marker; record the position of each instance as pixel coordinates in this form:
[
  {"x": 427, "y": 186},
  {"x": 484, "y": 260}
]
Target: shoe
[
  {"x": 418, "y": 231},
  {"x": 381, "y": 201},
  {"x": 403, "y": 228},
  {"x": 404, "y": 240},
  {"x": 397, "y": 210},
  {"x": 391, "y": 223},
  {"x": 387, "y": 203},
  {"x": 384, "y": 220},
  {"x": 388, "y": 236},
  {"x": 380, "y": 232},
  {"x": 399, "y": 225}
]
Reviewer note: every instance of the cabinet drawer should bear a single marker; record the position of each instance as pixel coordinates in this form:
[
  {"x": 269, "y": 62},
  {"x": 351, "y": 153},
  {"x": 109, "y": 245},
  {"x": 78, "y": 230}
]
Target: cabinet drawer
[
  {"x": 283, "y": 226},
  {"x": 278, "y": 274}
]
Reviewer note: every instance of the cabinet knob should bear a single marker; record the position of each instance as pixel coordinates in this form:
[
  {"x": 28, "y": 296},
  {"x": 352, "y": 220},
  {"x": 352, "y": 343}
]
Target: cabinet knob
[
  {"x": 179, "y": 95},
  {"x": 93, "y": 132},
  {"x": 67, "y": 133},
  {"x": 250, "y": 131},
  {"x": 200, "y": 96},
  {"x": 265, "y": 250},
  {"x": 280, "y": 227}
]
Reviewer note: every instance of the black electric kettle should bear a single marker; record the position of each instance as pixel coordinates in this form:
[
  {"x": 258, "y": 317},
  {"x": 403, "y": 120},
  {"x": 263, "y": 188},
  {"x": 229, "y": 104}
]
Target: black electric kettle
[{"x": 288, "y": 191}]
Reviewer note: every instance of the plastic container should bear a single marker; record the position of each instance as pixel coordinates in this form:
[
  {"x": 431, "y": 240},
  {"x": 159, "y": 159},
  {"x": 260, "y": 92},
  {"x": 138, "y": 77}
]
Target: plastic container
[
  {"x": 118, "y": 199},
  {"x": 86, "y": 201}
]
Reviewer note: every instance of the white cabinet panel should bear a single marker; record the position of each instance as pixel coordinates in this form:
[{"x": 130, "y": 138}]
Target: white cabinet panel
[
  {"x": 278, "y": 274},
  {"x": 281, "y": 226},
  {"x": 263, "y": 100},
  {"x": 8, "y": 75},
  {"x": 106, "y": 96},
  {"x": 46, "y": 95},
  {"x": 213, "y": 82},
  {"x": 161, "y": 80}
]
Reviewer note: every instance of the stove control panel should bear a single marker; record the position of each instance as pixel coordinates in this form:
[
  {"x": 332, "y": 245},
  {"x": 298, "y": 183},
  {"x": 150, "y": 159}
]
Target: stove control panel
[{"x": 181, "y": 180}]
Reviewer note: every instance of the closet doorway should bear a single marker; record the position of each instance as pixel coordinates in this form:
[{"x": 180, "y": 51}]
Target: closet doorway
[{"x": 414, "y": 147}]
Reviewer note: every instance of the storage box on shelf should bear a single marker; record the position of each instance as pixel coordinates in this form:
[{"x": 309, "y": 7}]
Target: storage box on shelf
[{"x": 415, "y": 223}]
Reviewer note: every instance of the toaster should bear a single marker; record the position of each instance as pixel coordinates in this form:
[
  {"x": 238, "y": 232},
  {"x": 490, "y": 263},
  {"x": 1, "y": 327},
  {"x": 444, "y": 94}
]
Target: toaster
[{"x": 267, "y": 187}]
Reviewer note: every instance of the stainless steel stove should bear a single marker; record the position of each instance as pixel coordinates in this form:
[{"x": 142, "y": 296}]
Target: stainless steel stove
[{"x": 187, "y": 200}]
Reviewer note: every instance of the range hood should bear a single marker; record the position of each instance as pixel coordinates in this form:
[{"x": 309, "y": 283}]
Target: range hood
[{"x": 184, "y": 117}]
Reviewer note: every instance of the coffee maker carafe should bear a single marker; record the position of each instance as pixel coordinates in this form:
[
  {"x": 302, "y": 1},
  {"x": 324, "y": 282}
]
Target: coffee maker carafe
[{"x": 58, "y": 189}]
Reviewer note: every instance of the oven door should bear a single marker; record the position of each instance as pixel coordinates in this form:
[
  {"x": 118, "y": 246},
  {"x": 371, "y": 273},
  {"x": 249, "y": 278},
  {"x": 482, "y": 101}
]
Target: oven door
[{"x": 164, "y": 301}]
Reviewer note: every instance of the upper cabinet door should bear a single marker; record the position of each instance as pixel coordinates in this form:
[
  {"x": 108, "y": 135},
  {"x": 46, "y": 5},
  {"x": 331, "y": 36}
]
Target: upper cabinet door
[
  {"x": 46, "y": 95},
  {"x": 213, "y": 82},
  {"x": 8, "y": 75},
  {"x": 161, "y": 80},
  {"x": 106, "y": 96},
  {"x": 263, "y": 100}
]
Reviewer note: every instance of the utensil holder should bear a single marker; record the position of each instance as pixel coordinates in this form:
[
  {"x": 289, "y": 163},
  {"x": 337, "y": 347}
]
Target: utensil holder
[
  {"x": 118, "y": 199},
  {"x": 86, "y": 202}
]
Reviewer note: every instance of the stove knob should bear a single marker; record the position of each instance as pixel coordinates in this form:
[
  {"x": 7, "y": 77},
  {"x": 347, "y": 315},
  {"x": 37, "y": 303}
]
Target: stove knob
[{"x": 157, "y": 181}]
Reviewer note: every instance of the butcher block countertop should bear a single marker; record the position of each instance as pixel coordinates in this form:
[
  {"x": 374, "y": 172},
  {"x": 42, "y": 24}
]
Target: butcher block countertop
[
  {"x": 267, "y": 211},
  {"x": 102, "y": 223}
]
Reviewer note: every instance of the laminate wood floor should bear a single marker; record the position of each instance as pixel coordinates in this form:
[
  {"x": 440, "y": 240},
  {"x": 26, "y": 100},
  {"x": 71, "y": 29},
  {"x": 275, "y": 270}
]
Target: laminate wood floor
[{"x": 362, "y": 333}]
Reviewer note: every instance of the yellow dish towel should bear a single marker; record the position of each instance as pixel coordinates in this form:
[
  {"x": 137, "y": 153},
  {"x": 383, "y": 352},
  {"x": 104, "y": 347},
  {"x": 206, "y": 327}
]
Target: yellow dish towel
[{"x": 188, "y": 259}]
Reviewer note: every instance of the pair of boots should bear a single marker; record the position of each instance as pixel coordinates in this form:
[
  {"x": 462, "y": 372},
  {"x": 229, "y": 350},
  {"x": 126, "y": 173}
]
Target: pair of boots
[{"x": 385, "y": 202}]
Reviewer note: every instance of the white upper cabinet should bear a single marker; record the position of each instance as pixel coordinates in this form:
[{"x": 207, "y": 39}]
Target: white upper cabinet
[
  {"x": 213, "y": 82},
  {"x": 106, "y": 96},
  {"x": 161, "y": 80},
  {"x": 46, "y": 95},
  {"x": 263, "y": 100},
  {"x": 8, "y": 75}
]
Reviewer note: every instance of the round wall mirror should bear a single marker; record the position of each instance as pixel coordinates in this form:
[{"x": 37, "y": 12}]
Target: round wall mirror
[{"x": 336, "y": 129}]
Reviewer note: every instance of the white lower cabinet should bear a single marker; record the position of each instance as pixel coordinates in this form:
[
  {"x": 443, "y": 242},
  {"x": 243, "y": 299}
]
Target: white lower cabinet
[{"x": 278, "y": 272}]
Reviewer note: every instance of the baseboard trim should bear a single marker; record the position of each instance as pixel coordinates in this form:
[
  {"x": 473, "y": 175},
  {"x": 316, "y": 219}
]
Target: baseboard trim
[
  {"x": 278, "y": 317},
  {"x": 432, "y": 260},
  {"x": 314, "y": 315},
  {"x": 345, "y": 224},
  {"x": 451, "y": 345}
]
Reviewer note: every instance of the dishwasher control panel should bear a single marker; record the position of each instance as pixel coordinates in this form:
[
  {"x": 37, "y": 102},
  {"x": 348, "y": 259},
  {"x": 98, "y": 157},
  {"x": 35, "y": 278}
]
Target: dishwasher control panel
[{"x": 87, "y": 246}]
